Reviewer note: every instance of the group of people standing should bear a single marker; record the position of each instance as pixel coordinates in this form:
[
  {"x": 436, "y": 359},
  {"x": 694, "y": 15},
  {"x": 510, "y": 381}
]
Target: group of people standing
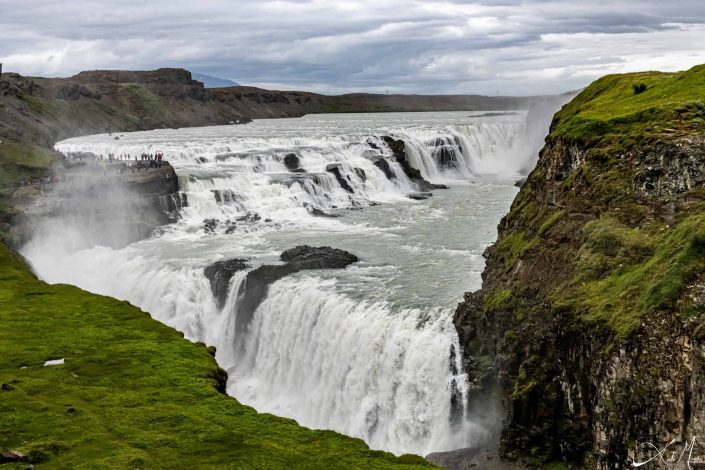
[{"x": 146, "y": 160}]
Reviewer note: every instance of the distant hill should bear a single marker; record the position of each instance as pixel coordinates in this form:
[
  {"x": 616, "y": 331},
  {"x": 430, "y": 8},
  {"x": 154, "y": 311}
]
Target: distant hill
[{"x": 213, "y": 82}]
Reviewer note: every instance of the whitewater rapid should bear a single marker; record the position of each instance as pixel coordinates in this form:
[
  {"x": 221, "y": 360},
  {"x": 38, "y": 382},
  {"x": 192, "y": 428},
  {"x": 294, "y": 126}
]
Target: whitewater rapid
[{"x": 366, "y": 350}]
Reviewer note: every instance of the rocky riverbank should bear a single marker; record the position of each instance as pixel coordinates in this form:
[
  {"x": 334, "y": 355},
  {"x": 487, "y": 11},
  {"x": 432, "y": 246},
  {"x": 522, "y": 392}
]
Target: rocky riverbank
[{"x": 588, "y": 327}]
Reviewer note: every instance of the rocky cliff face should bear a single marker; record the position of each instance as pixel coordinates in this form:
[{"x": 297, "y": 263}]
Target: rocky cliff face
[{"x": 588, "y": 327}]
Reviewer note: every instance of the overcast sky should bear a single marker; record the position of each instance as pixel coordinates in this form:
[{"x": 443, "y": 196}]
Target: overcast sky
[{"x": 507, "y": 46}]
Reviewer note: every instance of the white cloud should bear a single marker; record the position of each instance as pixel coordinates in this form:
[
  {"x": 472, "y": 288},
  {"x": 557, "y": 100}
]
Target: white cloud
[{"x": 510, "y": 46}]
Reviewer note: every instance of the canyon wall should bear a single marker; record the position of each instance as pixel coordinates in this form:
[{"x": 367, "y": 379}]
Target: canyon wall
[{"x": 589, "y": 324}]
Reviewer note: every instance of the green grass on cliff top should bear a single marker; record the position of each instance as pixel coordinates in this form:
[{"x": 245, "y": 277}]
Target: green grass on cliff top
[
  {"x": 133, "y": 394},
  {"x": 610, "y": 110}
]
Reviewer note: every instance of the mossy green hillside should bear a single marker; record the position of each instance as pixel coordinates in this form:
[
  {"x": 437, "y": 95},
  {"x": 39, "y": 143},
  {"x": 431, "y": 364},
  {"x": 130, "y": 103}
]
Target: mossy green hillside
[
  {"x": 624, "y": 273},
  {"x": 611, "y": 113},
  {"x": 20, "y": 163},
  {"x": 621, "y": 260},
  {"x": 133, "y": 393}
]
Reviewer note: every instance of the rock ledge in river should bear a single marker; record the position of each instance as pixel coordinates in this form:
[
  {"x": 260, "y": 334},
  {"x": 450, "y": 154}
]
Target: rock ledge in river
[{"x": 219, "y": 275}]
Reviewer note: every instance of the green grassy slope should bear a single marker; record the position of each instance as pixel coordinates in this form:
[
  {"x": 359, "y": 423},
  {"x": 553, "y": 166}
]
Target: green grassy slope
[
  {"x": 133, "y": 393},
  {"x": 612, "y": 110}
]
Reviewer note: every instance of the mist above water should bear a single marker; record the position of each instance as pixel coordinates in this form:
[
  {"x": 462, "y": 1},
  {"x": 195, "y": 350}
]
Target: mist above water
[{"x": 370, "y": 350}]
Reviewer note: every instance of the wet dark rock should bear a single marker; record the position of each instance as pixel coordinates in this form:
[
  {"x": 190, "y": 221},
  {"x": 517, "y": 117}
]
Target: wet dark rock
[
  {"x": 398, "y": 148},
  {"x": 419, "y": 196},
  {"x": 256, "y": 285},
  {"x": 360, "y": 173},
  {"x": 293, "y": 163},
  {"x": 383, "y": 165},
  {"x": 249, "y": 217},
  {"x": 446, "y": 157},
  {"x": 336, "y": 169},
  {"x": 324, "y": 257},
  {"x": 520, "y": 182},
  {"x": 209, "y": 225},
  {"x": 319, "y": 213},
  {"x": 295, "y": 177},
  {"x": 219, "y": 275},
  {"x": 254, "y": 290}
]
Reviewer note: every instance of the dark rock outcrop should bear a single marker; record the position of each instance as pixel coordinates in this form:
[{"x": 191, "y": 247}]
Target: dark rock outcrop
[
  {"x": 316, "y": 212},
  {"x": 219, "y": 275},
  {"x": 325, "y": 257},
  {"x": 293, "y": 162},
  {"x": 360, "y": 173},
  {"x": 588, "y": 327},
  {"x": 398, "y": 148},
  {"x": 383, "y": 165},
  {"x": 336, "y": 170},
  {"x": 446, "y": 157},
  {"x": 254, "y": 289}
]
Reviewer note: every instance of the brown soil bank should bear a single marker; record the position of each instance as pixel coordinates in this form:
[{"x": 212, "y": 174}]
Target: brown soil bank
[{"x": 590, "y": 325}]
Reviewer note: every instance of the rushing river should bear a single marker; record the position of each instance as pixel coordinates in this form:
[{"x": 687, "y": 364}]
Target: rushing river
[{"x": 364, "y": 350}]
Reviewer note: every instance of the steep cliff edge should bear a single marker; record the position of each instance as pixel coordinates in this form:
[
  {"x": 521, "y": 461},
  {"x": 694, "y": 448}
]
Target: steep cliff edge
[{"x": 589, "y": 326}]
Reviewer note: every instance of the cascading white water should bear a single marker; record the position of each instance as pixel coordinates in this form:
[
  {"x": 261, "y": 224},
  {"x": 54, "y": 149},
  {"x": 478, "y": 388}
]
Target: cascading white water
[{"x": 365, "y": 350}]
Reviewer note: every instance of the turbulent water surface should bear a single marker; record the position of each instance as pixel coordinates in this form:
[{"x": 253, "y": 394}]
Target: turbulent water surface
[{"x": 365, "y": 350}]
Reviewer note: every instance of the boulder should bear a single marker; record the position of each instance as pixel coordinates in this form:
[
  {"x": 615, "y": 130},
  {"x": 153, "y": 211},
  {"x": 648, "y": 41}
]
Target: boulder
[
  {"x": 249, "y": 217},
  {"x": 209, "y": 225},
  {"x": 419, "y": 196},
  {"x": 219, "y": 275},
  {"x": 314, "y": 211},
  {"x": 324, "y": 257},
  {"x": 293, "y": 163}
]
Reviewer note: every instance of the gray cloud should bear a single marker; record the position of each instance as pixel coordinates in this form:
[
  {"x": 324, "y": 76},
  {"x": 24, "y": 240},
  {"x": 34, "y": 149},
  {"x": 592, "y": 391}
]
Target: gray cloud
[{"x": 442, "y": 46}]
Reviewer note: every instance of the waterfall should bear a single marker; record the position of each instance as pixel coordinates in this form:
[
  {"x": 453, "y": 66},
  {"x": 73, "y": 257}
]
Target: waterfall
[{"x": 344, "y": 350}]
